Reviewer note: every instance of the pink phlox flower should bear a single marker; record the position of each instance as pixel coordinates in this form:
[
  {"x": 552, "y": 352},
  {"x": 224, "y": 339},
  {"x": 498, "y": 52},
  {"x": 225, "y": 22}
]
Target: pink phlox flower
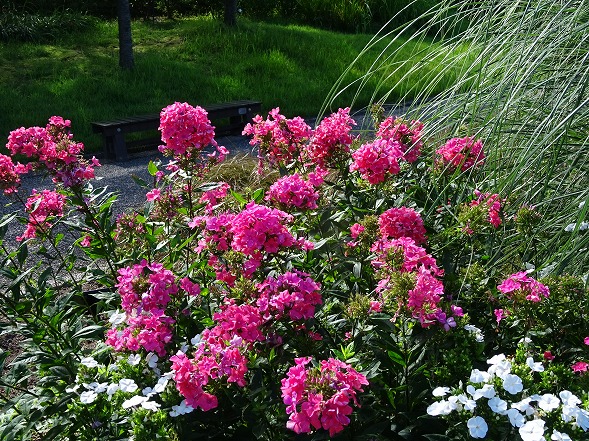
[
  {"x": 10, "y": 174},
  {"x": 186, "y": 130},
  {"x": 356, "y": 230},
  {"x": 86, "y": 241},
  {"x": 279, "y": 140},
  {"x": 493, "y": 204},
  {"x": 191, "y": 288},
  {"x": 533, "y": 290},
  {"x": 294, "y": 293},
  {"x": 423, "y": 300},
  {"x": 150, "y": 330},
  {"x": 260, "y": 229},
  {"x": 212, "y": 197},
  {"x": 317, "y": 177},
  {"x": 292, "y": 191},
  {"x": 408, "y": 135},
  {"x": 402, "y": 222},
  {"x": 460, "y": 153},
  {"x": 378, "y": 160},
  {"x": 319, "y": 397},
  {"x": 331, "y": 140},
  {"x": 413, "y": 256},
  {"x": 244, "y": 321},
  {"x": 580, "y": 367},
  {"x": 500, "y": 314},
  {"x": 145, "y": 286},
  {"x": 42, "y": 206},
  {"x": 153, "y": 195}
]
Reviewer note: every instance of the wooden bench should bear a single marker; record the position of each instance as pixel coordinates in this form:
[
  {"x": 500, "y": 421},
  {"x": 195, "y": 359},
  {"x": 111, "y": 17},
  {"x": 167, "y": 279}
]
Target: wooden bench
[{"x": 113, "y": 132}]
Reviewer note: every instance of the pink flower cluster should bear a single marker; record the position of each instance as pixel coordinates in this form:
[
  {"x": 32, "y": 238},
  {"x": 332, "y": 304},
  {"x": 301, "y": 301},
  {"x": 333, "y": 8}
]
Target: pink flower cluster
[
  {"x": 377, "y": 160},
  {"x": 293, "y": 293},
  {"x": 148, "y": 329},
  {"x": 331, "y": 139},
  {"x": 214, "y": 359},
  {"x": 424, "y": 299},
  {"x": 402, "y": 222},
  {"x": 407, "y": 135},
  {"x": 146, "y": 286},
  {"x": 520, "y": 285},
  {"x": 212, "y": 197},
  {"x": 259, "y": 228},
  {"x": 243, "y": 321},
  {"x": 53, "y": 148},
  {"x": 185, "y": 129},
  {"x": 460, "y": 153},
  {"x": 41, "y": 207},
  {"x": 292, "y": 191},
  {"x": 146, "y": 290},
  {"x": 493, "y": 204},
  {"x": 320, "y": 397},
  {"x": 10, "y": 174},
  {"x": 279, "y": 140}
]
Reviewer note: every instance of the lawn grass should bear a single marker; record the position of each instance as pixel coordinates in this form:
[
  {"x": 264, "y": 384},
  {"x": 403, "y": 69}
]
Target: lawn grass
[{"x": 197, "y": 60}]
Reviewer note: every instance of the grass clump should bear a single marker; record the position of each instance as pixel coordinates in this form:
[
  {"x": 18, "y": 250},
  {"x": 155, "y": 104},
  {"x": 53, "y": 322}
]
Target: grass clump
[
  {"x": 521, "y": 86},
  {"x": 21, "y": 26}
]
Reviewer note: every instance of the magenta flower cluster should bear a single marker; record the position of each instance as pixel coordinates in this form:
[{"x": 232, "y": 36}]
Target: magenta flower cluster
[
  {"x": 52, "y": 148},
  {"x": 493, "y": 205},
  {"x": 42, "y": 206},
  {"x": 320, "y": 397},
  {"x": 332, "y": 139},
  {"x": 395, "y": 141},
  {"x": 292, "y": 191},
  {"x": 407, "y": 135},
  {"x": 521, "y": 285},
  {"x": 402, "y": 222},
  {"x": 279, "y": 140},
  {"x": 460, "y": 154}
]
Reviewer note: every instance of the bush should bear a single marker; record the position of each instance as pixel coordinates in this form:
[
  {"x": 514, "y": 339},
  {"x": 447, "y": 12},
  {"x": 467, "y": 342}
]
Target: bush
[{"x": 336, "y": 299}]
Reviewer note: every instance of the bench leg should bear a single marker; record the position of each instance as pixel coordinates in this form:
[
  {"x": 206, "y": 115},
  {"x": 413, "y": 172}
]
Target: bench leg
[{"x": 120, "y": 148}]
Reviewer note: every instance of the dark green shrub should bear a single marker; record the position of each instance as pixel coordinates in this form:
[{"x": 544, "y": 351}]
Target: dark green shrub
[{"x": 15, "y": 26}]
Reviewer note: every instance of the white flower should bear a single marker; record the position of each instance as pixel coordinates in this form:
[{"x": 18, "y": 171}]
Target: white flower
[
  {"x": 568, "y": 398},
  {"x": 111, "y": 389},
  {"x": 477, "y": 427},
  {"x": 88, "y": 397},
  {"x": 487, "y": 391},
  {"x": 184, "y": 348},
  {"x": 515, "y": 418},
  {"x": 522, "y": 405},
  {"x": 127, "y": 385},
  {"x": 583, "y": 226},
  {"x": 468, "y": 404},
  {"x": 134, "y": 359},
  {"x": 498, "y": 405},
  {"x": 500, "y": 369},
  {"x": 161, "y": 385},
  {"x": 582, "y": 419},
  {"x": 151, "y": 360},
  {"x": 534, "y": 366},
  {"x": 181, "y": 409},
  {"x": 441, "y": 408},
  {"x": 558, "y": 436},
  {"x": 441, "y": 391},
  {"x": 75, "y": 388},
  {"x": 150, "y": 405},
  {"x": 196, "y": 340},
  {"x": 477, "y": 376},
  {"x": 117, "y": 318},
  {"x": 570, "y": 227},
  {"x": 134, "y": 401},
  {"x": 89, "y": 362},
  {"x": 147, "y": 392},
  {"x": 569, "y": 413},
  {"x": 581, "y": 205},
  {"x": 496, "y": 359},
  {"x": 512, "y": 384},
  {"x": 532, "y": 431},
  {"x": 548, "y": 402}
]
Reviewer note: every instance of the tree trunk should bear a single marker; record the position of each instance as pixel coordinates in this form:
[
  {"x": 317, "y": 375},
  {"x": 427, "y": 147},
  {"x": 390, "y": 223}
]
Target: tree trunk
[
  {"x": 126, "y": 60},
  {"x": 230, "y": 17}
]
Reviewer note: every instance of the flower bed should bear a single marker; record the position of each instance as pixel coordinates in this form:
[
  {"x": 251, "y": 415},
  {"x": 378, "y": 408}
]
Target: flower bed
[{"x": 337, "y": 302}]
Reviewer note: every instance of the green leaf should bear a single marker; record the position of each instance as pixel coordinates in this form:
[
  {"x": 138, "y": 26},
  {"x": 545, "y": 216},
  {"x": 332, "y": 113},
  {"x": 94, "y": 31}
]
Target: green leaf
[
  {"x": 89, "y": 332},
  {"x": 139, "y": 181},
  {"x": 152, "y": 168},
  {"x": 395, "y": 357},
  {"x": 23, "y": 252}
]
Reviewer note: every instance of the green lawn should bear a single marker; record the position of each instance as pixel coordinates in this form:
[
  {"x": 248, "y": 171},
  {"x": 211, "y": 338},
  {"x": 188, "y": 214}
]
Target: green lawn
[{"x": 197, "y": 60}]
